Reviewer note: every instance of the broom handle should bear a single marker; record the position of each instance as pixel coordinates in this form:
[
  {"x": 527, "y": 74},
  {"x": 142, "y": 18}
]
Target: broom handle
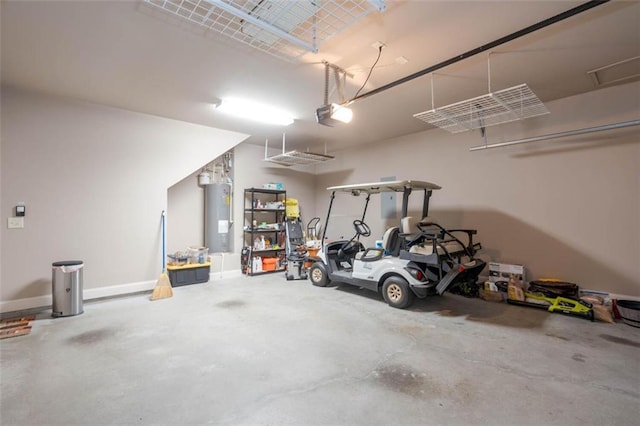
[{"x": 164, "y": 256}]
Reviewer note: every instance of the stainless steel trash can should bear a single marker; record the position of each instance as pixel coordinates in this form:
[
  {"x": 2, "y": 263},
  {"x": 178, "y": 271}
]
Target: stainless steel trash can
[{"x": 66, "y": 282}]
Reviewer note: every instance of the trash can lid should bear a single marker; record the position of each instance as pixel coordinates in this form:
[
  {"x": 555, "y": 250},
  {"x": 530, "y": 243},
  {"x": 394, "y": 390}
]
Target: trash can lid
[{"x": 67, "y": 263}]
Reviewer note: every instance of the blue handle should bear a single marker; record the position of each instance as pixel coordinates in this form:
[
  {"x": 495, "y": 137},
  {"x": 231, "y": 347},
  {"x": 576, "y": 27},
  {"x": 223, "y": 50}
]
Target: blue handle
[{"x": 164, "y": 256}]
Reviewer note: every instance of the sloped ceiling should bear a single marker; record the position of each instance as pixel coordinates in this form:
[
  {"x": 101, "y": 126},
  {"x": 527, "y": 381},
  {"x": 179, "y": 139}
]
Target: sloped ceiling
[{"x": 134, "y": 56}]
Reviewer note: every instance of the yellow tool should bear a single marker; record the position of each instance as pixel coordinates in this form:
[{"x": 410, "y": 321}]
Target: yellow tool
[{"x": 557, "y": 304}]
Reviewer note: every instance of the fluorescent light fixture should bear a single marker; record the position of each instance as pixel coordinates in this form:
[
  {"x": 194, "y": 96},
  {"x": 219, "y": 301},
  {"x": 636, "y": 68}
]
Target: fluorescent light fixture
[
  {"x": 255, "y": 111},
  {"x": 333, "y": 114}
]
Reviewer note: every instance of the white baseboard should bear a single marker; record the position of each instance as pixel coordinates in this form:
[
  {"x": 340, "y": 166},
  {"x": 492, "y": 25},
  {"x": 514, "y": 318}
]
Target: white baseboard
[
  {"x": 87, "y": 294},
  {"x": 24, "y": 304},
  {"x": 609, "y": 296},
  {"x": 624, "y": 297},
  {"x": 235, "y": 273},
  {"x": 117, "y": 290},
  {"x": 98, "y": 293}
]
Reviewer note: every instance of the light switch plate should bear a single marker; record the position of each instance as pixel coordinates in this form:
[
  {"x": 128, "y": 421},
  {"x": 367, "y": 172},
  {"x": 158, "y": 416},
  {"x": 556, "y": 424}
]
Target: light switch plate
[{"x": 15, "y": 222}]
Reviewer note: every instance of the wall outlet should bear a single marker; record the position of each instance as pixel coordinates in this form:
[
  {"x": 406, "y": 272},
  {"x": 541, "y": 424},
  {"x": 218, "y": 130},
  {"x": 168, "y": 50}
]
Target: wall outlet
[{"x": 15, "y": 222}]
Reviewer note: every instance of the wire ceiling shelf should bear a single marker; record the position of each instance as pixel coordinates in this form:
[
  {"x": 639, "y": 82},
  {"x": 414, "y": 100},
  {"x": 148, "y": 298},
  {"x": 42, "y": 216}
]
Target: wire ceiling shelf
[
  {"x": 286, "y": 29},
  {"x": 503, "y": 106},
  {"x": 294, "y": 158},
  {"x": 297, "y": 158}
]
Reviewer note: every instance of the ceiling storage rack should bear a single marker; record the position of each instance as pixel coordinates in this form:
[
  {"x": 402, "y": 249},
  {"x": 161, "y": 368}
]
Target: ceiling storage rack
[
  {"x": 503, "y": 106},
  {"x": 294, "y": 158},
  {"x": 297, "y": 158},
  {"x": 286, "y": 29}
]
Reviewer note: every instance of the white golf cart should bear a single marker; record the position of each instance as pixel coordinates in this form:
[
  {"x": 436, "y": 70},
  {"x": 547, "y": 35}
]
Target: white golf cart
[{"x": 416, "y": 259}]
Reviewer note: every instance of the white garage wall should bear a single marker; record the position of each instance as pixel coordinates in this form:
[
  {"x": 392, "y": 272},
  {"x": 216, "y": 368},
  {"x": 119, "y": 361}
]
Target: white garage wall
[
  {"x": 185, "y": 207},
  {"x": 566, "y": 208},
  {"x": 94, "y": 180}
]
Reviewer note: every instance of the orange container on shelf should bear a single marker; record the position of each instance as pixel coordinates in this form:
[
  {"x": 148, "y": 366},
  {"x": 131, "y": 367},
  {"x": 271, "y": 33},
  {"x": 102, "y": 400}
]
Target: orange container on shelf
[{"x": 269, "y": 263}]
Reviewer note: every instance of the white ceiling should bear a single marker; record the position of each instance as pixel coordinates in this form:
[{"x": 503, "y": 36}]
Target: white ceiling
[{"x": 134, "y": 56}]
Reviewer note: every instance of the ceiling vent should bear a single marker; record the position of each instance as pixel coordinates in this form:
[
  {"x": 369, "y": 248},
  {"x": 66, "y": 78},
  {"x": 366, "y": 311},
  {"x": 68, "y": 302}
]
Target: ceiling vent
[
  {"x": 286, "y": 29},
  {"x": 619, "y": 72}
]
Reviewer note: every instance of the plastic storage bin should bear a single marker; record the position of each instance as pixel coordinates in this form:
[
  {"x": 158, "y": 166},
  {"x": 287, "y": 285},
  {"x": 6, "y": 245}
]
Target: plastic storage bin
[
  {"x": 198, "y": 255},
  {"x": 629, "y": 312},
  {"x": 66, "y": 283},
  {"x": 189, "y": 274},
  {"x": 269, "y": 263}
]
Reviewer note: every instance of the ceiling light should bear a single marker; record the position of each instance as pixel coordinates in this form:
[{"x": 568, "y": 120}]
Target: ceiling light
[
  {"x": 333, "y": 114},
  {"x": 255, "y": 111}
]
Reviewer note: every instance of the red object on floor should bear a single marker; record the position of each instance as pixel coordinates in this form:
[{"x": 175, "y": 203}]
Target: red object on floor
[{"x": 614, "y": 308}]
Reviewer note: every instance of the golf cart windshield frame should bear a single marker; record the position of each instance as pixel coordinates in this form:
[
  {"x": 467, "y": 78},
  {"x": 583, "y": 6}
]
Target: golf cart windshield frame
[{"x": 404, "y": 186}]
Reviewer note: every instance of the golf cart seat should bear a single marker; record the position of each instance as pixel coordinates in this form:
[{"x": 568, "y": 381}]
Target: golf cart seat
[
  {"x": 432, "y": 238},
  {"x": 391, "y": 245},
  {"x": 410, "y": 228},
  {"x": 446, "y": 259},
  {"x": 391, "y": 241}
]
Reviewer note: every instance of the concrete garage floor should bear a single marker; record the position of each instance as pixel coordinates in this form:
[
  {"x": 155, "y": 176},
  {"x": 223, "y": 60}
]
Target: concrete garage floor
[{"x": 266, "y": 351}]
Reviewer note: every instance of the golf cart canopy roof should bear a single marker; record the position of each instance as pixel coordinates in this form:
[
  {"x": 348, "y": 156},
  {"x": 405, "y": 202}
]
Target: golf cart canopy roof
[{"x": 389, "y": 186}]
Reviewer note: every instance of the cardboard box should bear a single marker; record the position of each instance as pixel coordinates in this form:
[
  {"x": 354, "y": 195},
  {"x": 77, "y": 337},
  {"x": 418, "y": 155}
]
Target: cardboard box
[
  {"x": 273, "y": 185},
  {"x": 504, "y": 271}
]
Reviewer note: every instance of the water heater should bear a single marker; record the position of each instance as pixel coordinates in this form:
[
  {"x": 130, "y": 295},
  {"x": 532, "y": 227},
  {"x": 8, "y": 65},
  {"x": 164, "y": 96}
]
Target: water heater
[{"x": 217, "y": 224}]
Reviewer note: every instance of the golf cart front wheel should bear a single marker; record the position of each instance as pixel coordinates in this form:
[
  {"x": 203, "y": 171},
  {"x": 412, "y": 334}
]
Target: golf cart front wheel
[
  {"x": 396, "y": 293},
  {"x": 318, "y": 275}
]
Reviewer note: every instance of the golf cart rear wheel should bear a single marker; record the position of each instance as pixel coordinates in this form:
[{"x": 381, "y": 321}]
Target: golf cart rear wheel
[
  {"x": 396, "y": 293},
  {"x": 318, "y": 275}
]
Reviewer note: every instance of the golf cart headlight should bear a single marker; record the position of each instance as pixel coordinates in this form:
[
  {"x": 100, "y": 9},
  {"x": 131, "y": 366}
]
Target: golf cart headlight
[{"x": 416, "y": 273}]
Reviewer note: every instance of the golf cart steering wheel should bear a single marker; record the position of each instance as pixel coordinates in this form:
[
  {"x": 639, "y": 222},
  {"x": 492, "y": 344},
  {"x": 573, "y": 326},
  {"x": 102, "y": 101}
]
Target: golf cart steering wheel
[
  {"x": 352, "y": 246},
  {"x": 361, "y": 228}
]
